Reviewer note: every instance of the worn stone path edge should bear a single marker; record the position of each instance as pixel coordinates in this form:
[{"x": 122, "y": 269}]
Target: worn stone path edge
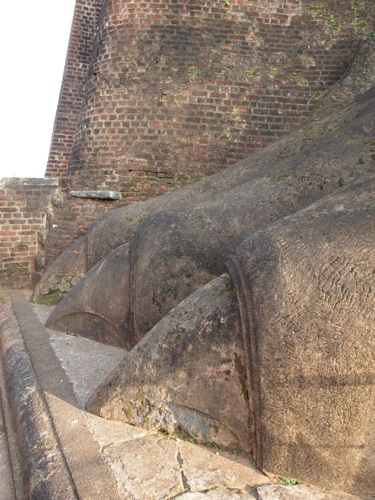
[
  {"x": 37, "y": 452},
  {"x": 44, "y": 471}
]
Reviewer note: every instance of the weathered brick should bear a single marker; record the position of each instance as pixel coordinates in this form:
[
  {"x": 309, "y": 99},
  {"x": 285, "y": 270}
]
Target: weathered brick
[{"x": 21, "y": 220}]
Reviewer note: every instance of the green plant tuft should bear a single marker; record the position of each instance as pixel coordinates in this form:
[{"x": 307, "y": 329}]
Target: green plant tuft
[
  {"x": 229, "y": 287},
  {"x": 50, "y": 299},
  {"x": 287, "y": 480},
  {"x": 215, "y": 446},
  {"x": 252, "y": 460}
]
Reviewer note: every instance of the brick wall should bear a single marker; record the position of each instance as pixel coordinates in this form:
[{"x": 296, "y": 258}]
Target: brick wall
[
  {"x": 85, "y": 21},
  {"x": 23, "y": 223},
  {"x": 177, "y": 90}
]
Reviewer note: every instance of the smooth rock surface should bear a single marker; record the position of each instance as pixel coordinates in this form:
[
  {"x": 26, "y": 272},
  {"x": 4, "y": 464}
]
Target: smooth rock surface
[{"x": 307, "y": 302}]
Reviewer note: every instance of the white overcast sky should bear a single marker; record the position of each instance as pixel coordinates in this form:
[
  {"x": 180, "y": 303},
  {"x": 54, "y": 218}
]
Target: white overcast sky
[{"x": 34, "y": 39}]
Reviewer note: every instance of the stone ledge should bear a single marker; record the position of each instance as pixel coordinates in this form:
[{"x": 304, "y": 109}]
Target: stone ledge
[
  {"x": 100, "y": 195},
  {"x": 29, "y": 181}
]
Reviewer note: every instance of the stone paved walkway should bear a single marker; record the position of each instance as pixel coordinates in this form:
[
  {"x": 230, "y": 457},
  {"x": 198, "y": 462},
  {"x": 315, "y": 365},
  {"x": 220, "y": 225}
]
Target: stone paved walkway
[{"x": 67, "y": 453}]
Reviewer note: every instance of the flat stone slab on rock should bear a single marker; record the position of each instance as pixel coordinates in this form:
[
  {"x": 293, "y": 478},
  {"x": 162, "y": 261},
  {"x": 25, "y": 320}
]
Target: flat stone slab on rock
[{"x": 99, "y": 195}]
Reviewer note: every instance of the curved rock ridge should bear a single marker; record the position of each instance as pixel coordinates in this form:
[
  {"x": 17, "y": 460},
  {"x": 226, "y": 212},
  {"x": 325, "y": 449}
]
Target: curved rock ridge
[
  {"x": 278, "y": 357},
  {"x": 176, "y": 372},
  {"x": 284, "y": 367},
  {"x": 185, "y": 245},
  {"x": 306, "y": 297}
]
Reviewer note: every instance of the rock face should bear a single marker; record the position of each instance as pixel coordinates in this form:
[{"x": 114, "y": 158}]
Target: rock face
[
  {"x": 277, "y": 358},
  {"x": 358, "y": 79},
  {"x": 306, "y": 296},
  {"x": 186, "y": 244},
  {"x": 176, "y": 373},
  {"x": 306, "y": 310}
]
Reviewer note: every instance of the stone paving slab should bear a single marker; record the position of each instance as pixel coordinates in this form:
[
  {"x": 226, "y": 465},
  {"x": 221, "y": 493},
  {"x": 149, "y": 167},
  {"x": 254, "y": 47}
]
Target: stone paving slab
[{"x": 101, "y": 458}]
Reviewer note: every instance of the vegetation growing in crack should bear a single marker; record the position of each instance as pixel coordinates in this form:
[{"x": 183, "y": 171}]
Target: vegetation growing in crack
[
  {"x": 177, "y": 435},
  {"x": 229, "y": 287},
  {"x": 290, "y": 481},
  {"x": 52, "y": 298},
  {"x": 55, "y": 288}
]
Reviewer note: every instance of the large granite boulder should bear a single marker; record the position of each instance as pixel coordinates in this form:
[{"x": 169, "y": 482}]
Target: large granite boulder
[
  {"x": 305, "y": 287},
  {"x": 174, "y": 378},
  {"x": 288, "y": 372}
]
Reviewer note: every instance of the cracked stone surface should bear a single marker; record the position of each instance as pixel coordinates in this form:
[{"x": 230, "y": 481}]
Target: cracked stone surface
[
  {"x": 151, "y": 466},
  {"x": 218, "y": 494},
  {"x": 193, "y": 468},
  {"x": 147, "y": 465},
  {"x": 205, "y": 469},
  {"x": 146, "y": 468},
  {"x": 298, "y": 492}
]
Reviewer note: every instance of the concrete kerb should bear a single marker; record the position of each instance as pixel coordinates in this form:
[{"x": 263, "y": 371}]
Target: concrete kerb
[
  {"x": 10, "y": 471},
  {"x": 43, "y": 468},
  {"x": 58, "y": 459}
]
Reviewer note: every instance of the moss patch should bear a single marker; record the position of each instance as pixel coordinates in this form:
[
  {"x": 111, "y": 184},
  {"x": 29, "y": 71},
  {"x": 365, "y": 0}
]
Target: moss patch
[
  {"x": 229, "y": 287},
  {"x": 50, "y": 299}
]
